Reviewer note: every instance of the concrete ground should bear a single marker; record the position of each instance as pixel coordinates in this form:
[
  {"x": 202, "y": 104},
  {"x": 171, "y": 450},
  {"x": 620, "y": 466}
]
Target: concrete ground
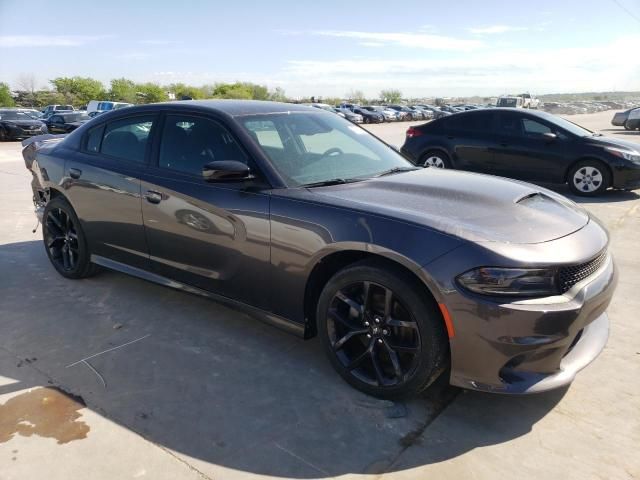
[{"x": 201, "y": 391}]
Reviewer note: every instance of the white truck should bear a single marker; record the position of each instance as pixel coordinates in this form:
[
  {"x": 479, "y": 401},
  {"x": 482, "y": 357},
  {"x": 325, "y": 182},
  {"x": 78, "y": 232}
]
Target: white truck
[{"x": 524, "y": 100}]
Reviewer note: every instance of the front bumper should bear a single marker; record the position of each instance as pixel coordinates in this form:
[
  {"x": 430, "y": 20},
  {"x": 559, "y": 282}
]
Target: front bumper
[
  {"x": 626, "y": 177},
  {"x": 532, "y": 345},
  {"x": 18, "y": 132}
]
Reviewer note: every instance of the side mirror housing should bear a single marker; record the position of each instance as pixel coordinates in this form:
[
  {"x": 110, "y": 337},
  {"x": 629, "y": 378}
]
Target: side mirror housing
[
  {"x": 226, "y": 171},
  {"x": 549, "y": 137}
]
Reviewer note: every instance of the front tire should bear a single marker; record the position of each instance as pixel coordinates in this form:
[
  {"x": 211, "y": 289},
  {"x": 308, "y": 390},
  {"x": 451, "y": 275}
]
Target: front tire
[
  {"x": 65, "y": 242},
  {"x": 382, "y": 334},
  {"x": 589, "y": 178}
]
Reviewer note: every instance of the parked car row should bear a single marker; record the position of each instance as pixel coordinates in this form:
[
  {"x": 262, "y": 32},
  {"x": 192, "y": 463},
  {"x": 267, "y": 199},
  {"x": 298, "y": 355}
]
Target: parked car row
[
  {"x": 573, "y": 108},
  {"x": 526, "y": 145}
]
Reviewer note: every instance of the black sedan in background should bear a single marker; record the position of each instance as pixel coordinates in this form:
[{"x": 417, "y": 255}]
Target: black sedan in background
[
  {"x": 368, "y": 116},
  {"x": 526, "y": 145},
  {"x": 15, "y": 124},
  {"x": 620, "y": 118},
  {"x": 66, "y": 122},
  {"x": 296, "y": 216}
]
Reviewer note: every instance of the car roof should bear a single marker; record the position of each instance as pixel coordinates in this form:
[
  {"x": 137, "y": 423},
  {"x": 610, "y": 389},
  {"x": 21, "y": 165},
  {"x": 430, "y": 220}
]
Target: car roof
[{"x": 242, "y": 107}]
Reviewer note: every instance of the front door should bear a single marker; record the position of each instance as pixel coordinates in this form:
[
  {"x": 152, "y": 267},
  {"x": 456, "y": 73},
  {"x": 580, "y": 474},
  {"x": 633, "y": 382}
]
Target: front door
[
  {"x": 525, "y": 153},
  {"x": 214, "y": 236}
]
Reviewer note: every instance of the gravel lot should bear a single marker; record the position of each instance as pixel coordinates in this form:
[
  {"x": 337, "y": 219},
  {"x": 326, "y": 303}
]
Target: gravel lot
[{"x": 206, "y": 392}]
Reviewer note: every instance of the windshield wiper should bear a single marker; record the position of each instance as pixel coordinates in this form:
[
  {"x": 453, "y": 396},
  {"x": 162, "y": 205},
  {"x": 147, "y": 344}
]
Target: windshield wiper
[
  {"x": 393, "y": 170},
  {"x": 332, "y": 181}
]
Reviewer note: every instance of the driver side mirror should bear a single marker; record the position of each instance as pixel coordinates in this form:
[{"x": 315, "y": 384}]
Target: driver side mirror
[{"x": 226, "y": 171}]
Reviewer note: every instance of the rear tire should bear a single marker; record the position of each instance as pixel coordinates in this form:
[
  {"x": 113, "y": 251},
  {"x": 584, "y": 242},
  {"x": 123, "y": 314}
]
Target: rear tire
[
  {"x": 626, "y": 126},
  {"x": 435, "y": 159},
  {"x": 589, "y": 178},
  {"x": 65, "y": 242},
  {"x": 382, "y": 334}
]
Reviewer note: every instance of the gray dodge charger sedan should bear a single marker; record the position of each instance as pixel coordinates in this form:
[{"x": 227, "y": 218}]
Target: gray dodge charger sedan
[{"x": 311, "y": 223}]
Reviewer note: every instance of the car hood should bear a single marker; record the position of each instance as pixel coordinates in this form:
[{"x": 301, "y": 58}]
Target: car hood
[
  {"x": 470, "y": 206},
  {"x": 24, "y": 123},
  {"x": 605, "y": 141}
]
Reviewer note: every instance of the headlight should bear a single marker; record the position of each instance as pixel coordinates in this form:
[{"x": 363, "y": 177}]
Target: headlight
[
  {"x": 630, "y": 155},
  {"x": 514, "y": 282}
]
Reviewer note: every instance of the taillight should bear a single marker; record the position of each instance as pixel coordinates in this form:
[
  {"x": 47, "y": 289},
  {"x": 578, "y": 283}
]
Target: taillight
[{"x": 414, "y": 132}]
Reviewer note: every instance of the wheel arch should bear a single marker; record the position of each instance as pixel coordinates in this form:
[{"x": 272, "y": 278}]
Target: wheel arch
[{"x": 331, "y": 263}]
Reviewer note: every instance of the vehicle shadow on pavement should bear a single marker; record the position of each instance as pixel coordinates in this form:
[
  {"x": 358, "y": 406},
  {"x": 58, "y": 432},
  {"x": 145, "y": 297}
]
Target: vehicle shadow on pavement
[{"x": 220, "y": 389}]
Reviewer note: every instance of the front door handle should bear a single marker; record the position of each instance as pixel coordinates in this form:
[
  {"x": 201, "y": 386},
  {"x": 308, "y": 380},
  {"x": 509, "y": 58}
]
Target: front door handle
[
  {"x": 75, "y": 173},
  {"x": 153, "y": 197}
]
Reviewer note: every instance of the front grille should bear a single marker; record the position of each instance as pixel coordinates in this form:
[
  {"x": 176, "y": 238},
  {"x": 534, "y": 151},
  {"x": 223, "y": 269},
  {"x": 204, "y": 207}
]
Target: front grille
[{"x": 570, "y": 275}]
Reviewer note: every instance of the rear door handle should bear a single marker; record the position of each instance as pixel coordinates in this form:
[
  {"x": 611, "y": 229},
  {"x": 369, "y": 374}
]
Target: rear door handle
[
  {"x": 153, "y": 197},
  {"x": 75, "y": 173}
]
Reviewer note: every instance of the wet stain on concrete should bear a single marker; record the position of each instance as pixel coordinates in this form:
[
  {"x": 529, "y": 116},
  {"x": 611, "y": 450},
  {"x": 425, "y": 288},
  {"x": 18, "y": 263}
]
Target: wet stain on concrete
[{"x": 47, "y": 412}]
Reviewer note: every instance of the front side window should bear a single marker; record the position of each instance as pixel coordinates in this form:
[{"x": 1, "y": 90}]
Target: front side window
[
  {"x": 317, "y": 147},
  {"x": 188, "y": 143},
  {"x": 127, "y": 138},
  {"x": 531, "y": 127}
]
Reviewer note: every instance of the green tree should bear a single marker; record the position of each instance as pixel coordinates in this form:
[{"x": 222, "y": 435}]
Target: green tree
[
  {"x": 181, "y": 90},
  {"x": 260, "y": 92},
  {"x": 391, "y": 95},
  {"x": 6, "y": 100},
  {"x": 123, "y": 90},
  {"x": 79, "y": 90},
  {"x": 151, "y": 93},
  {"x": 236, "y": 90}
]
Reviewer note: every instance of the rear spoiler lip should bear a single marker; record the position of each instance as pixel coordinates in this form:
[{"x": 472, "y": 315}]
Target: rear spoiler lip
[{"x": 39, "y": 138}]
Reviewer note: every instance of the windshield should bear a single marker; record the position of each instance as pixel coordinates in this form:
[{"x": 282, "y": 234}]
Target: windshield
[
  {"x": 508, "y": 102},
  {"x": 315, "y": 147},
  {"x": 76, "y": 117},
  {"x": 14, "y": 116},
  {"x": 567, "y": 125}
]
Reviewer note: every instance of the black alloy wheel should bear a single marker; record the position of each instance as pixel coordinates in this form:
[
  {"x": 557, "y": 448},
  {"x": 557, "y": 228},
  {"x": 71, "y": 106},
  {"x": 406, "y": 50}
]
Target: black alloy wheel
[
  {"x": 64, "y": 241},
  {"x": 382, "y": 342}
]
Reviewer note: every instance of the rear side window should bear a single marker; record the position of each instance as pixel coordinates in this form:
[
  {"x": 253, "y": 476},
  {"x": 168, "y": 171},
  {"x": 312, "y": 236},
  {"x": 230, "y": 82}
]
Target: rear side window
[
  {"x": 509, "y": 124},
  {"x": 93, "y": 139},
  {"x": 127, "y": 138},
  {"x": 473, "y": 122}
]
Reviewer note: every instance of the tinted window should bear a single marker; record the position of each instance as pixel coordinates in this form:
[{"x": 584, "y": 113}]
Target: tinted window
[
  {"x": 127, "y": 138},
  {"x": 56, "y": 119},
  {"x": 476, "y": 122},
  {"x": 93, "y": 139},
  {"x": 189, "y": 143},
  {"x": 509, "y": 124},
  {"x": 531, "y": 127}
]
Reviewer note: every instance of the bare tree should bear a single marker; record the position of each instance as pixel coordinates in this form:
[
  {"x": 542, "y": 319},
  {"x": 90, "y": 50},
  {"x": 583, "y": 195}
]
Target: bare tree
[{"x": 27, "y": 82}]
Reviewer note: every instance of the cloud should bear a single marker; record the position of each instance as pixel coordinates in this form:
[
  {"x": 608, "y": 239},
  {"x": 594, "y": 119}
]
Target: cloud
[
  {"x": 9, "y": 41},
  {"x": 158, "y": 42},
  {"x": 496, "y": 29},
  {"x": 408, "y": 40},
  {"x": 488, "y": 71}
]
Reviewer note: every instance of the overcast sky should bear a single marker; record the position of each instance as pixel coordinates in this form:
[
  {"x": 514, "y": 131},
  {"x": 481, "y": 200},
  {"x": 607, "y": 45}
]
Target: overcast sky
[{"x": 327, "y": 48}]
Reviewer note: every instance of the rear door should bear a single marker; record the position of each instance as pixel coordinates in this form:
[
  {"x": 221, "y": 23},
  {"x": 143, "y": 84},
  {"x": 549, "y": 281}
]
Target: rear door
[
  {"x": 103, "y": 185},
  {"x": 471, "y": 139},
  {"x": 214, "y": 236},
  {"x": 524, "y": 152}
]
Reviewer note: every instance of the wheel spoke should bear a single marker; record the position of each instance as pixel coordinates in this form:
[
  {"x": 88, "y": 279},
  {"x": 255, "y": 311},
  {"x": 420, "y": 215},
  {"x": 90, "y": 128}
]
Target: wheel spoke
[
  {"x": 353, "y": 305},
  {"x": 335, "y": 315},
  {"x": 393, "y": 356},
  {"x": 388, "y": 303},
  {"x": 366, "y": 286},
  {"x": 340, "y": 343},
  {"x": 394, "y": 322},
  {"x": 65, "y": 258},
  {"x": 404, "y": 349},
  {"x": 356, "y": 362},
  {"x": 56, "y": 221},
  {"x": 53, "y": 240},
  {"x": 376, "y": 367}
]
